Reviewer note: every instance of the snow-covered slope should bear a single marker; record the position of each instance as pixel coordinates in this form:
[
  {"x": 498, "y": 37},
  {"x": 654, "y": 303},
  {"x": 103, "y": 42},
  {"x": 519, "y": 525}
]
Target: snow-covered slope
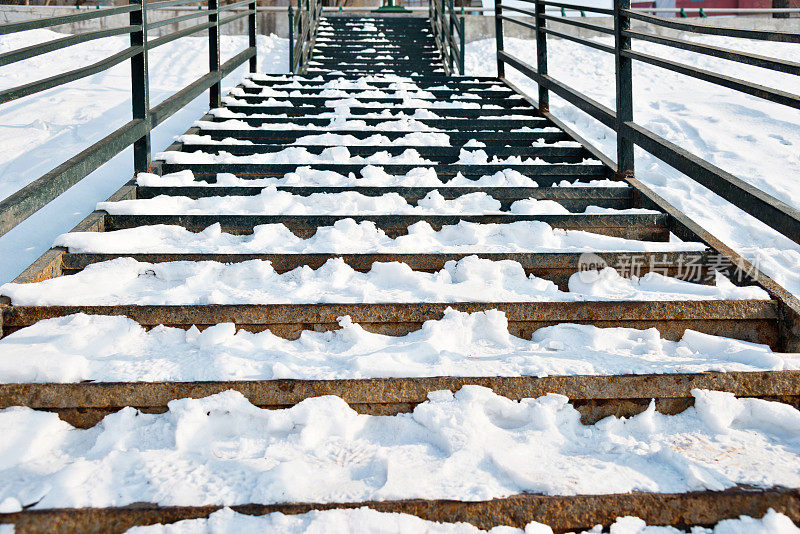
[
  {"x": 41, "y": 131},
  {"x": 756, "y": 140}
]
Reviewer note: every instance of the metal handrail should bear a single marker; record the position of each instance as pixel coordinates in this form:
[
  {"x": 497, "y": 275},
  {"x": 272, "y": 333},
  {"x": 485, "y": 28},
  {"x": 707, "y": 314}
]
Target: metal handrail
[
  {"x": 34, "y": 196},
  {"x": 777, "y": 214},
  {"x": 305, "y": 21},
  {"x": 445, "y": 25}
]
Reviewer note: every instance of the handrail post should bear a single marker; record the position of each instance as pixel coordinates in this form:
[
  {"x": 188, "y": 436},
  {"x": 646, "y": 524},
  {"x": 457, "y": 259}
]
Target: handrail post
[
  {"x": 624, "y": 88},
  {"x": 140, "y": 86},
  {"x": 251, "y": 30},
  {"x": 215, "y": 93},
  {"x": 451, "y": 22},
  {"x": 291, "y": 39},
  {"x": 541, "y": 55},
  {"x": 498, "y": 36},
  {"x": 461, "y": 58}
]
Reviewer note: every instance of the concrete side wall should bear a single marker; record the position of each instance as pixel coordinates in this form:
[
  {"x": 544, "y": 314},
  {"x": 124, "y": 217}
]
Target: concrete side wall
[{"x": 276, "y": 22}]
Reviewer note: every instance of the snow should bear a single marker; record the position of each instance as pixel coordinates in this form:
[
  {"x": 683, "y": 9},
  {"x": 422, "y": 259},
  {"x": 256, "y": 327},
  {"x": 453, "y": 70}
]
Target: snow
[
  {"x": 81, "y": 347},
  {"x": 365, "y": 520},
  {"x": 296, "y": 155},
  {"x": 371, "y": 175},
  {"x": 39, "y": 132},
  {"x": 349, "y": 236},
  {"x": 127, "y": 281},
  {"x": 472, "y": 445},
  {"x": 756, "y": 140},
  {"x": 270, "y": 201}
]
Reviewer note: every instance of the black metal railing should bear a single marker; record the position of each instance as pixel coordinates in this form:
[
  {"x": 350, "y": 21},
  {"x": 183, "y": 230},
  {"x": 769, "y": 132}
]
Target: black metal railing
[
  {"x": 23, "y": 203},
  {"x": 775, "y": 213},
  {"x": 445, "y": 25},
  {"x": 303, "y": 26}
]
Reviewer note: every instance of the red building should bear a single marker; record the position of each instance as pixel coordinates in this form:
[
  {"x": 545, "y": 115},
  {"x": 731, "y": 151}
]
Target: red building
[{"x": 716, "y": 4}]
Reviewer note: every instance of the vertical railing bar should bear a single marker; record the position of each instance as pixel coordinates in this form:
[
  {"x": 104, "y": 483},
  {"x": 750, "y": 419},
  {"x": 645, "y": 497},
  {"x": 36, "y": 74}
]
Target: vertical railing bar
[
  {"x": 541, "y": 55},
  {"x": 451, "y": 26},
  {"x": 291, "y": 39},
  {"x": 140, "y": 86},
  {"x": 498, "y": 36},
  {"x": 624, "y": 88},
  {"x": 215, "y": 92},
  {"x": 461, "y": 58},
  {"x": 251, "y": 28}
]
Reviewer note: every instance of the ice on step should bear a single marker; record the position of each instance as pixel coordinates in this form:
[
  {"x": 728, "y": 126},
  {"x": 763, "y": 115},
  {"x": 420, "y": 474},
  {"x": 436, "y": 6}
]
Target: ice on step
[
  {"x": 367, "y": 521},
  {"x": 471, "y": 279},
  {"x": 117, "y": 349},
  {"x": 472, "y": 445}
]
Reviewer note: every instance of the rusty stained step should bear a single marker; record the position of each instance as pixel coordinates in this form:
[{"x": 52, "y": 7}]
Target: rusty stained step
[
  {"x": 562, "y": 513},
  {"x": 644, "y": 227},
  {"x": 575, "y": 199},
  {"x": 749, "y": 320},
  {"x": 595, "y": 396},
  {"x": 557, "y": 267}
]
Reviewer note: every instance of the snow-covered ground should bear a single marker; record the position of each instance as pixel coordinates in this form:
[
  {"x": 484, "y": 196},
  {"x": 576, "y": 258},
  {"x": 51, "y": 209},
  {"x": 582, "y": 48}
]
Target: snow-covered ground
[
  {"x": 41, "y": 131},
  {"x": 753, "y": 139},
  {"x": 471, "y": 279},
  {"x": 366, "y": 520},
  {"x": 117, "y": 349},
  {"x": 472, "y": 445}
]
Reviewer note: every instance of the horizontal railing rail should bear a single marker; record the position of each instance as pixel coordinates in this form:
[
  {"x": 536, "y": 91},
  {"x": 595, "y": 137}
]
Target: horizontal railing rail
[
  {"x": 34, "y": 196},
  {"x": 303, "y": 26},
  {"x": 757, "y": 203}
]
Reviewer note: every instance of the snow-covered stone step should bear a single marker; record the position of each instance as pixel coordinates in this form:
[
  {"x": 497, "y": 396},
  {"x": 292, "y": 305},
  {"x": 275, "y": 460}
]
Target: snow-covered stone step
[
  {"x": 646, "y": 227},
  {"x": 84, "y": 367},
  {"x": 430, "y": 110},
  {"x": 364, "y": 519},
  {"x": 544, "y": 175},
  {"x": 388, "y": 98},
  {"x": 454, "y": 138},
  {"x": 573, "y": 200},
  {"x": 271, "y": 201},
  {"x": 438, "y": 155},
  {"x": 724, "y": 512},
  {"x": 159, "y": 243},
  {"x": 320, "y": 94},
  {"x": 421, "y": 120},
  {"x": 469, "y": 446}
]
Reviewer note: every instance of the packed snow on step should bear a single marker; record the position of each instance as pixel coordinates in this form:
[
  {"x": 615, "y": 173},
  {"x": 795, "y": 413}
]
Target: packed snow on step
[
  {"x": 271, "y": 201},
  {"x": 471, "y": 279},
  {"x": 81, "y": 347},
  {"x": 472, "y": 445},
  {"x": 347, "y": 236},
  {"x": 371, "y": 175},
  {"x": 367, "y": 521}
]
